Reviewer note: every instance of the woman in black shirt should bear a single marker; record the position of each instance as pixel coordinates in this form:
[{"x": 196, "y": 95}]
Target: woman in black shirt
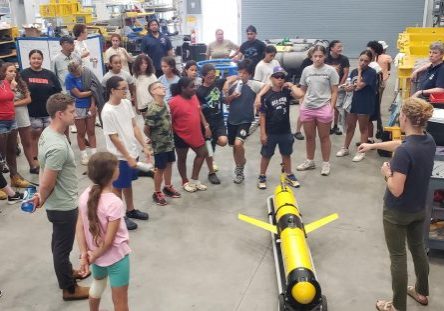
[
  {"x": 407, "y": 177},
  {"x": 42, "y": 83}
]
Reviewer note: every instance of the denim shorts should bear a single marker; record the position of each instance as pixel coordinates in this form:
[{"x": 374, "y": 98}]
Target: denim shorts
[
  {"x": 118, "y": 273},
  {"x": 285, "y": 142},
  {"x": 82, "y": 113},
  {"x": 39, "y": 123},
  {"x": 7, "y": 126}
]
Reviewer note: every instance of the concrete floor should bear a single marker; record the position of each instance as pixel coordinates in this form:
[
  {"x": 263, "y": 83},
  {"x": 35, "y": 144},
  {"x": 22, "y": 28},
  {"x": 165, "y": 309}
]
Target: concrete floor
[{"x": 194, "y": 255}]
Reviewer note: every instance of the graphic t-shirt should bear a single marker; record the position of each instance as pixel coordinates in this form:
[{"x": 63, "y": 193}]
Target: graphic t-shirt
[
  {"x": 156, "y": 48},
  {"x": 158, "y": 119},
  {"x": 211, "y": 99},
  {"x": 276, "y": 107},
  {"x": 253, "y": 50},
  {"x": 185, "y": 115},
  {"x": 318, "y": 82},
  {"x": 41, "y": 84},
  {"x": 110, "y": 208}
]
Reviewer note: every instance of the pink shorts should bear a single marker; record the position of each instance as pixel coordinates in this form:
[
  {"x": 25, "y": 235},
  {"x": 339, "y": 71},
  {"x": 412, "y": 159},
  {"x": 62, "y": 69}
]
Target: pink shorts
[{"x": 323, "y": 115}]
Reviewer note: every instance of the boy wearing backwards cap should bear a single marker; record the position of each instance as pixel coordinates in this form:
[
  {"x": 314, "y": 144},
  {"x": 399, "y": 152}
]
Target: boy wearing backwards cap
[{"x": 275, "y": 125}]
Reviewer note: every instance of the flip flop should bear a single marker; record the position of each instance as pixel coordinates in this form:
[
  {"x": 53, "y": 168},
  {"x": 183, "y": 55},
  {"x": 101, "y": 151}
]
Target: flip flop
[
  {"x": 384, "y": 305},
  {"x": 411, "y": 291}
]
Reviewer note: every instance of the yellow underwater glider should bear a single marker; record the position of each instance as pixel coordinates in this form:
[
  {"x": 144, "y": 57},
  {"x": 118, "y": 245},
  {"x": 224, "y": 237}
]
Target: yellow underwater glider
[{"x": 298, "y": 288}]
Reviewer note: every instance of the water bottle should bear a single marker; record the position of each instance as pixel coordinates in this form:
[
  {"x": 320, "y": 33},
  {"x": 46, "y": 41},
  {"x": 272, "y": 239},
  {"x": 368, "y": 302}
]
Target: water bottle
[
  {"x": 144, "y": 167},
  {"x": 348, "y": 81},
  {"x": 239, "y": 85},
  {"x": 28, "y": 205}
]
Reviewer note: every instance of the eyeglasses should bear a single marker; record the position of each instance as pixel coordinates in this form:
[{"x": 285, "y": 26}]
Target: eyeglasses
[
  {"x": 123, "y": 89},
  {"x": 281, "y": 77}
]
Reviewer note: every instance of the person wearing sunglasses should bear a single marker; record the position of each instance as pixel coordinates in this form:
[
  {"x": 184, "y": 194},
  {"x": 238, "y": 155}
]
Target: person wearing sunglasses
[
  {"x": 319, "y": 83},
  {"x": 275, "y": 126}
]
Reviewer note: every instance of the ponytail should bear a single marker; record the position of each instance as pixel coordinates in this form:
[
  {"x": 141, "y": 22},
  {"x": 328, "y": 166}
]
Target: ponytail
[{"x": 93, "y": 204}]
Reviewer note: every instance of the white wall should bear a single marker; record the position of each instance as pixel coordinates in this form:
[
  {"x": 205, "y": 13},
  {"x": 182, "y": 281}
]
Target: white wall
[{"x": 220, "y": 14}]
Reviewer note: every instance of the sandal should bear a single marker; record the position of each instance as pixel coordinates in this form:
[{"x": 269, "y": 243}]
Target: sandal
[
  {"x": 384, "y": 305},
  {"x": 411, "y": 291}
]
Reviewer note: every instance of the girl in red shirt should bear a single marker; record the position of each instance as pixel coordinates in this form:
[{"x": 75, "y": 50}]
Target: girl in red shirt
[
  {"x": 187, "y": 121},
  {"x": 8, "y": 124}
]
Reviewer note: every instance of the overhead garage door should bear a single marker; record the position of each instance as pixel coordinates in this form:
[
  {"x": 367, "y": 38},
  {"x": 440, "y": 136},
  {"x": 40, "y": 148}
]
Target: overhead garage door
[{"x": 354, "y": 22}]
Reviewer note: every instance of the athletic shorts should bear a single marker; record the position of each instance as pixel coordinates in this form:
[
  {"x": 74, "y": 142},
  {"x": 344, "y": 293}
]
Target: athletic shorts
[
  {"x": 284, "y": 141},
  {"x": 39, "y": 123},
  {"x": 126, "y": 175},
  {"x": 217, "y": 128},
  {"x": 239, "y": 131},
  {"x": 322, "y": 115},
  {"x": 7, "y": 126},
  {"x": 22, "y": 117},
  {"x": 118, "y": 273},
  {"x": 180, "y": 143},
  {"x": 162, "y": 159}
]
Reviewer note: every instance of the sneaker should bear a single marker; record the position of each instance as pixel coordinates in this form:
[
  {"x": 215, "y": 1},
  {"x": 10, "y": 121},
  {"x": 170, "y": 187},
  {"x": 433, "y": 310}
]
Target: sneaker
[
  {"x": 171, "y": 192},
  {"x": 359, "y": 156},
  {"x": 3, "y": 195},
  {"x": 239, "y": 176},
  {"x": 199, "y": 185},
  {"x": 73, "y": 129},
  {"x": 337, "y": 131},
  {"x": 262, "y": 182},
  {"x": 19, "y": 182},
  {"x": 383, "y": 305},
  {"x": 159, "y": 198},
  {"x": 343, "y": 152},
  {"x": 307, "y": 165},
  {"x": 298, "y": 136},
  {"x": 79, "y": 293},
  {"x": 292, "y": 181},
  {"x": 136, "y": 214},
  {"x": 84, "y": 160},
  {"x": 325, "y": 170},
  {"x": 34, "y": 170},
  {"x": 212, "y": 177},
  {"x": 333, "y": 129},
  {"x": 17, "y": 197},
  {"x": 130, "y": 225},
  {"x": 189, "y": 187}
]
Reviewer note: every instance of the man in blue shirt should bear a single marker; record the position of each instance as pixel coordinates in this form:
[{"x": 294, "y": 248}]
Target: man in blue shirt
[{"x": 156, "y": 45}]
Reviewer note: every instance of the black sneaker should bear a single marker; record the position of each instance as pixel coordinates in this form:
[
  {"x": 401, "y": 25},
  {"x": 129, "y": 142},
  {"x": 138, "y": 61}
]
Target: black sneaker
[
  {"x": 34, "y": 170},
  {"x": 332, "y": 130},
  {"x": 17, "y": 197},
  {"x": 337, "y": 131},
  {"x": 130, "y": 225},
  {"x": 212, "y": 177},
  {"x": 298, "y": 136},
  {"x": 136, "y": 214},
  {"x": 171, "y": 192}
]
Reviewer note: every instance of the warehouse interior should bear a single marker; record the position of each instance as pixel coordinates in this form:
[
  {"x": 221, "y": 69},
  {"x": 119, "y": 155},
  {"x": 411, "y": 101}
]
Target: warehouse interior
[{"x": 194, "y": 254}]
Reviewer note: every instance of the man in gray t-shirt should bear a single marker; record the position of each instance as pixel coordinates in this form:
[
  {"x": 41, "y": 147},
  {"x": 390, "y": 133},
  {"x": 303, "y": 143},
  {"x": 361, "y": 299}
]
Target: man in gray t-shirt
[
  {"x": 59, "y": 64},
  {"x": 318, "y": 82},
  {"x": 58, "y": 192}
]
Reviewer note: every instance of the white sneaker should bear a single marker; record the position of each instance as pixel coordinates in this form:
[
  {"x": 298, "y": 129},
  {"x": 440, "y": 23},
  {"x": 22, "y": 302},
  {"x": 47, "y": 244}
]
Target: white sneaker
[
  {"x": 189, "y": 187},
  {"x": 73, "y": 129},
  {"x": 359, "y": 156},
  {"x": 343, "y": 152},
  {"x": 199, "y": 185},
  {"x": 84, "y": 160},
  {"x": 307, "y": 165},
  {"x": 325, "y": 170}
]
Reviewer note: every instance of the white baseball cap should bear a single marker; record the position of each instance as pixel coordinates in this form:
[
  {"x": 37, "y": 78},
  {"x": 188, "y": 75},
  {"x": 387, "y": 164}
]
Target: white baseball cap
[{"x": 384, "y": 44}]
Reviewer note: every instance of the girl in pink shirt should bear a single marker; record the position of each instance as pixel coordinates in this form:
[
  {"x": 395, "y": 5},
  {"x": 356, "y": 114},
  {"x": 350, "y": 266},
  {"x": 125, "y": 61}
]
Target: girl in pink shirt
[{"x": 102, "y": 234}]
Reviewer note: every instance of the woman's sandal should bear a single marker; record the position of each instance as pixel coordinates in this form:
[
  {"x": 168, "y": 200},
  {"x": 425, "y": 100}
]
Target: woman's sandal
[
  {"x": 384, "y": 305},
  {"x": 411, "y": 291}
]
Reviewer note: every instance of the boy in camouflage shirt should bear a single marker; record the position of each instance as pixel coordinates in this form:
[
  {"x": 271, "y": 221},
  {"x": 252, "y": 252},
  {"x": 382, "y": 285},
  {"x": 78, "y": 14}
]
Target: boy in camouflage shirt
[{"x": 159, "y": 130}]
